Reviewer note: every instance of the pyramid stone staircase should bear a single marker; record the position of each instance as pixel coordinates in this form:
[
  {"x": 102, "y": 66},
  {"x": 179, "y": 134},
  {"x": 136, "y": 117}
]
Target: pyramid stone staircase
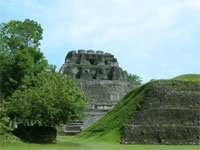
[{"x": 168, "y": 114}]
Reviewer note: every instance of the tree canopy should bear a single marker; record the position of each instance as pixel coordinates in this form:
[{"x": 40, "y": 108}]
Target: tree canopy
[
  {"x": 31, "y": 91},
  {"x": 20, "y": 55},
  {"x": 17, "y": 35},
  {"x": 47, "y": 99}
]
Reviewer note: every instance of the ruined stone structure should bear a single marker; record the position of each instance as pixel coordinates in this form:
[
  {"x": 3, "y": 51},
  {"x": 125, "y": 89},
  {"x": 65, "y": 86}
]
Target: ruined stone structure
[
  {"x": 169, "y": 114},
  {"x": 71, "y": 128},
  {"x": 101, "y": 79}
]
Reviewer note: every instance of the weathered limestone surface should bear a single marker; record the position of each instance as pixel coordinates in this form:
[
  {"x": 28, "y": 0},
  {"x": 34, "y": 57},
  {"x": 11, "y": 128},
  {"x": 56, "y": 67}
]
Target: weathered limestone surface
[
  {"x": 101, "y": 79},
  {"x": 169, "y": 114},
  {"x": 90, "y": 65}
]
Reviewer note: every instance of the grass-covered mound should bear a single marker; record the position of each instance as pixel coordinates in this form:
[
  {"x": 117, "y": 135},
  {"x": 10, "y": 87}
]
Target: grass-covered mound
[
  {"x": 112, "y": 124},
  {"x": 111, "y": 127},
  {"x": 188, "y": 77}
]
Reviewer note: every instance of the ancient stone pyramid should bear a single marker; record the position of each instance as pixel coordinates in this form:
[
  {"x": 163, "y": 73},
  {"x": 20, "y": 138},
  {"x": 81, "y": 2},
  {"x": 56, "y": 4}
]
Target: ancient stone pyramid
[{"x": 100, "y": 77}]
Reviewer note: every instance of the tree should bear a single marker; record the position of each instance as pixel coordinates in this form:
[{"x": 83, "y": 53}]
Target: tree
[
  {"x": 133, "y": 77},
  {"x": 30, "y": 90},
  {"x": 17, "y": 35},
  {"x": 47, "y": 99},
  {"x": 20, "y": 55}
]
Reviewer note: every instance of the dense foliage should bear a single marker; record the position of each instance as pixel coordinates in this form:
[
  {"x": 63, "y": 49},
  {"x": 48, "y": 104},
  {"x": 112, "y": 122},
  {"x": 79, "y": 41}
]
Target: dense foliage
[
  {"x": 135, "y": 78},
  {"x": 20, "y": 55},
  {"x": 31, "y": 91},
  {"x": 47, "y": 99},
  {"x": 17, "y": 35},
  {"x": 5, "y": 130}
]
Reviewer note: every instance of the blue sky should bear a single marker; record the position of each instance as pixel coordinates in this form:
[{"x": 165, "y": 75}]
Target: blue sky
[{"x": 155, "y": 39}]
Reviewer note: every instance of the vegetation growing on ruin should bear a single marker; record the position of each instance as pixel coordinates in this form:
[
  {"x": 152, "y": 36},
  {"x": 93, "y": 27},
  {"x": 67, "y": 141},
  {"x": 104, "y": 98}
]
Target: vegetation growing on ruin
[
  {"x": 135, "y": 78},
  {"x": 188, "y": 77},
  {"x": 111, "y": 126}
]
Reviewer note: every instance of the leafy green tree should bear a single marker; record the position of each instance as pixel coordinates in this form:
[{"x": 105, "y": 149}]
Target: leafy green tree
[
  {"x": 20, "y": 55},
  {"x": 17, "y": 35},
  {"x": 48, "y": 99},
  {"x": 133, "y": 77}
]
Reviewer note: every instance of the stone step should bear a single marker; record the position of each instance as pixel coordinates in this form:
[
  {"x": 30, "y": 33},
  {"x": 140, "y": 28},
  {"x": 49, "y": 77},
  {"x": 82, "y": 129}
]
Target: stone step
[
  {"x": 65, "y": 133},
  {"x": 74, "y": 124},
  {"x": 91, "y": 118},
  {"x": 166, "y": 116},
  {"x": 161, "y": 134},
  {"x": 72, "y": 131},
  {"x": 168, "y": 99},
  {"x": 173, "y": 85},
  {"x": 71, "y": 128},
  {"x": 97, "y": 110}
]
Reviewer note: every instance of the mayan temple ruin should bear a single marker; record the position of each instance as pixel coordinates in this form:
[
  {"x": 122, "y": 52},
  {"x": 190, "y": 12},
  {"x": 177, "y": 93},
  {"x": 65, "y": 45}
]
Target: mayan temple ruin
[{"x": 100, "y": 77}]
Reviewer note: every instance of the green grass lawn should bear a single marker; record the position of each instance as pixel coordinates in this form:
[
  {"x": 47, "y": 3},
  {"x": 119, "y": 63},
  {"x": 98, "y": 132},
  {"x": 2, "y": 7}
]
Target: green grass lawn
[{"x": 74, "y": 143}]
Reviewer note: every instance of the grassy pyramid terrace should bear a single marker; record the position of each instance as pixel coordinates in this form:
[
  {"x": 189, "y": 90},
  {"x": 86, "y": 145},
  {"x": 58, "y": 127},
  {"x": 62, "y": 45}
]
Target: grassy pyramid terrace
[
  {"x": 188, "y": 77},
  {"x": 112, "y": 126}
]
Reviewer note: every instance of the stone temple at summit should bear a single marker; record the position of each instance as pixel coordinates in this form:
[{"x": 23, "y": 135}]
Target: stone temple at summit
[{"x": 101, "y": 79}]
